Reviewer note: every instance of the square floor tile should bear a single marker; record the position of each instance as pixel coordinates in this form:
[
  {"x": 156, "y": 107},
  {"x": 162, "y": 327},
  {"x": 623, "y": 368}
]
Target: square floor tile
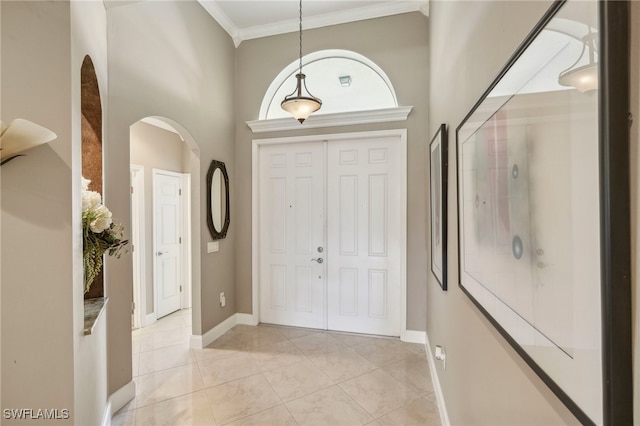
[
  {"x": 317, "y": 344},
  {"x": 378, "y": 392},
  {"x": 162, "y": 339},
  {"x": 352, "y": 339},
  {"x": 241, "y": 398},
  {"x": 221, "y": 370},
  {"x": 167, "y": 384},
  {"x": 276, "y": 355},
  {"x": 413, "y": 372},
  {"x": 190, "y": 409},
  {"x": 381, "y": 351},
  {"x": 343, "y": 364},
  {"x": 421, "y": 412},
  {"x": 276, "y": 416},
  {"x": 163, "y": 358},
  {"x": 296, "y": 380},
  {"x": 330, "y": 406}
]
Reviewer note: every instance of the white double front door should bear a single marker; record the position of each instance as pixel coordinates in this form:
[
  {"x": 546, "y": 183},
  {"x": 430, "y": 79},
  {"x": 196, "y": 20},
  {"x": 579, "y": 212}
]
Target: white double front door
[{"x": 331, "y": 234}]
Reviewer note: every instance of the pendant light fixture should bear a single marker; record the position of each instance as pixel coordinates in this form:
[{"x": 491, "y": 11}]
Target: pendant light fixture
[
  {"x": 300, "y": 104},
  {"x": 585, "y": 77}
]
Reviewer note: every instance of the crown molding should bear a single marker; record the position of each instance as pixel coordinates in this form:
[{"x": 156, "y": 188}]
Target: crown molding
[
  {"x": 358, "y": 14},
  {"x": 221, "y": 18},
  {"x": 331, "y": 120}
]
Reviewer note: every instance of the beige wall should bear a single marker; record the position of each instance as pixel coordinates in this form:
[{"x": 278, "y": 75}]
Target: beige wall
[
  {"x": 398, "y": 44},
  {"x": 170, "y": 59},
  {"x": 485, "y": 382},
  {"x": 38, "y": 247},
  {"x": 154, "y": 148}
]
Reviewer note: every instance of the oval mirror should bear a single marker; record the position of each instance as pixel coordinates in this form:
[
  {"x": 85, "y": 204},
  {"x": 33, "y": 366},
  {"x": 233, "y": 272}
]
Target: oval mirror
[{"x": 218, "y": 200}]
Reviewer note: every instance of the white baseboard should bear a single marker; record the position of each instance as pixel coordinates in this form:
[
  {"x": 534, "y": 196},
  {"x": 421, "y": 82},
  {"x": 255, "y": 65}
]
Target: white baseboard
[
  {"x": 149, "y": 319},
  {"x": 200, "y": 342},
  {"x": 442, "y": 407},
  {"x": 117, "y": 400},
  {"x": 412, "y": 336},
  {"x": 246, "y": 319}
]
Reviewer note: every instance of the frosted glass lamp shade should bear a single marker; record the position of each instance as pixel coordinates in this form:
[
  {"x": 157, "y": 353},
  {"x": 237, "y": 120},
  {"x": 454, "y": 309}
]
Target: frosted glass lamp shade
[
  {"x": 583, "y": 78},
  {"x": 301, "y": 106}
]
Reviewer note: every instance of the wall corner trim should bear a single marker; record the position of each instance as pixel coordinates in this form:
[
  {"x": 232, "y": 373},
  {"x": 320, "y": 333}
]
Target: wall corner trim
[
  {"x": 331, "y": 120},
  {"x": 117, "y": 400},
  {"x": 442, "y": 407}
]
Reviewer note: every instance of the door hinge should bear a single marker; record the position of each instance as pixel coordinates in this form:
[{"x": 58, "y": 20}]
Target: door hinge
[
  {"x": 179, "y": 240},
  {"x": 133, "y": 307},
  {"x": 180, "y": 289},
  {"x": 179, "y": 191},
  {"x": 133, "y": 248},
  {"x": 132, "y": 189}
]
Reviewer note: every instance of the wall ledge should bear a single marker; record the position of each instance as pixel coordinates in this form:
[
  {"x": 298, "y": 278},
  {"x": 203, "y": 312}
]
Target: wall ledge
[
  {"x": 331, "y": 120},
  {"x": 93, "y": 309}
]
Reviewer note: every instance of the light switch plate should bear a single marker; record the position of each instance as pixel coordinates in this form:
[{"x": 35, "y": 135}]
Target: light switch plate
[{"x": 213, "y": 246}]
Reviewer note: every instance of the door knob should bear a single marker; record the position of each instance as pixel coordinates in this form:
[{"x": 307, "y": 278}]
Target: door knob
[{"x": 319, "y": 260}]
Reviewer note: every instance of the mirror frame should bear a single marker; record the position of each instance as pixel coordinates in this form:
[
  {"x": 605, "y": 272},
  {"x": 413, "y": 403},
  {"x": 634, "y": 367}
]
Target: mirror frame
[{"x": 215, "y": 165}]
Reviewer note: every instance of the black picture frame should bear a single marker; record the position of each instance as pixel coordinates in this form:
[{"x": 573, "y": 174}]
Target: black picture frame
[
  {"x": 607, "y": 371},
  {"x": 218, "y": 234},
  {"x": 438, "y": 172}
]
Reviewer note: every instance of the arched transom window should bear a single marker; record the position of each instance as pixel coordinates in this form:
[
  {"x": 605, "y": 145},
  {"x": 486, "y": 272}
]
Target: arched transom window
[{"x": 345, "y": 81}]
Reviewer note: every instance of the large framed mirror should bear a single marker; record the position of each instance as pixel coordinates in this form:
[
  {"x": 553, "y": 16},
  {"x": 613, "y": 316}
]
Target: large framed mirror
[{"x": 218, "y": 200}]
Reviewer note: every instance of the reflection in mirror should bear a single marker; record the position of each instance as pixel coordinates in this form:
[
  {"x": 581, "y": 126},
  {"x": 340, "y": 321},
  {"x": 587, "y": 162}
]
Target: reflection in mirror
[{"x": 218, "y": 200}]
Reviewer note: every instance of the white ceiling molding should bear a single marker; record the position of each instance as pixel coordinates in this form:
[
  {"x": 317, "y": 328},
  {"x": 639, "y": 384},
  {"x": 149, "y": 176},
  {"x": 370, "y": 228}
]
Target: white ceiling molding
[
  {"x": 221, "y": 18},
  {"x": 331, "y": 120},
  {"x": 292, "y": 25}
]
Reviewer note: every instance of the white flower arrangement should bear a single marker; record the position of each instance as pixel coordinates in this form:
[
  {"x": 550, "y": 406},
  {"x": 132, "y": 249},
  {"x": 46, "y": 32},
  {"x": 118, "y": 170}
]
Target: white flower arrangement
[{"x": 100, "y": 234}]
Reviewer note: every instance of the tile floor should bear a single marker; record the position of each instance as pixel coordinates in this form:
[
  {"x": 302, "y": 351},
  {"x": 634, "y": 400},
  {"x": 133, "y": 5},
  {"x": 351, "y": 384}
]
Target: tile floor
[{"x": 271, "y": 375}]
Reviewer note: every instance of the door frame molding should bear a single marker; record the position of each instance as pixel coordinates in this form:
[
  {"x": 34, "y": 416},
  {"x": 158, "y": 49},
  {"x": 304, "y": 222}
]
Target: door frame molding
[
  {"x": 401, "y": 134},
  {"x": 137, "y": 240}
]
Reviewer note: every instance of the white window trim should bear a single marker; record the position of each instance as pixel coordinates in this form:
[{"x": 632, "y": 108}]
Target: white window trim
[
  {"x": 320, "y": 55},
  {"x": 331, "y": 120}
]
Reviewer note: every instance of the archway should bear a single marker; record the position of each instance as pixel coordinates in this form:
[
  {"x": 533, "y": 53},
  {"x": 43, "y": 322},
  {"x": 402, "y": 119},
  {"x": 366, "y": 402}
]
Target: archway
[
  {"x": 91, "y": 109},
  {"x": 159, "y": 144}
]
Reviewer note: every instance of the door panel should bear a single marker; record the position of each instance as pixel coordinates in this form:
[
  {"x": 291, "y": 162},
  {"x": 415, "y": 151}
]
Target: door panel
[
  {"x": 364, "y": 230},
  {"x": 291, "y": 230},
  {"x": 167, "y": 243}
]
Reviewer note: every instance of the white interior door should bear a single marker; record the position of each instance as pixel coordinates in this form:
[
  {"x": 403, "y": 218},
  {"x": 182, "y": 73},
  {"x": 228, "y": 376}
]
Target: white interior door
[
  {"x": 364, "y": 187},
  {"x": 292, "y": 278},
  {"x": 167, "y": 247}
]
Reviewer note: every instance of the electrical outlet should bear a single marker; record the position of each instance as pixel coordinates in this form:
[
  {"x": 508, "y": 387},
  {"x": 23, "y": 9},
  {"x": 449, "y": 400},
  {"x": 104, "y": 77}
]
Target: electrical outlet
[
  {"x": 441, "y": 355},
  {"x": 223, "y": 300}
]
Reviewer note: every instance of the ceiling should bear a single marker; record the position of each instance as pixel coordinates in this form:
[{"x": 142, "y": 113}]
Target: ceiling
[{"x": 248, "y": 19}]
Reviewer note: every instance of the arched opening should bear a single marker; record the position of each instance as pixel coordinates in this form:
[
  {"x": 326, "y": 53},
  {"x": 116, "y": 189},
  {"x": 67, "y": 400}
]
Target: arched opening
[
  {"x": 91, "y": 109},
  {"x": 162, "y": 152},
  {"x": 346, "y": 81}
]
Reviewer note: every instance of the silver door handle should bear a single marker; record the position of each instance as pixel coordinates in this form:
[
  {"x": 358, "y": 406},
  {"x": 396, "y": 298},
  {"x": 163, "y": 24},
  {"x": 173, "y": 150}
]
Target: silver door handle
[{"x": 319, "y": 260}]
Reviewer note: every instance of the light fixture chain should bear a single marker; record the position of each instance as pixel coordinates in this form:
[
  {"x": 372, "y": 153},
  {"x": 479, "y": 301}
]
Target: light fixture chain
[{"x": 300, "y": 36}]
